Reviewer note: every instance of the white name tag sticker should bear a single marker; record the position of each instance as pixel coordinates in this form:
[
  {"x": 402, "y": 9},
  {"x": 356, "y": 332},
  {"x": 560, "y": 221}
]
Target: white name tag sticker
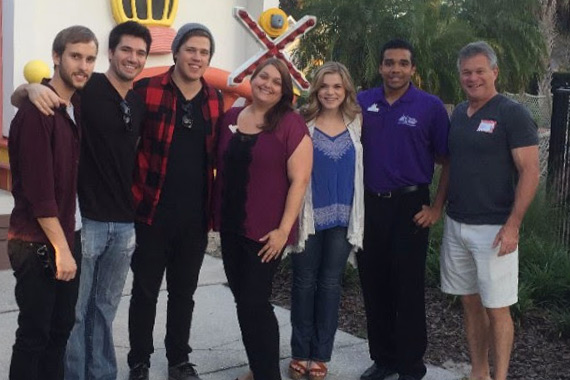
[{"x": 487, "y": 126}]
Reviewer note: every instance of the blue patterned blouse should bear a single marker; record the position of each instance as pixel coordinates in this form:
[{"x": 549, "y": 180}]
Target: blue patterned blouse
[{"x": 332, "y": 179}]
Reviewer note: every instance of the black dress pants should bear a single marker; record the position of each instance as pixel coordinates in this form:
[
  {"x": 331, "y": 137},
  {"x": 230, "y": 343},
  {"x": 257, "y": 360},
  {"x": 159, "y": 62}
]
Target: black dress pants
[
  {"x": 47, "y": 313},
  {"x": 392, "y": 273},
  {"x": 250, "y": 281},
  {"x": 178, "y": 249}
]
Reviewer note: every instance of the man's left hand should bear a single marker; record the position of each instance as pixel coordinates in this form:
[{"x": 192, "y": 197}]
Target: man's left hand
[
  {"x": 508, "y": 238},
  {"x": 427, "y": 217}
]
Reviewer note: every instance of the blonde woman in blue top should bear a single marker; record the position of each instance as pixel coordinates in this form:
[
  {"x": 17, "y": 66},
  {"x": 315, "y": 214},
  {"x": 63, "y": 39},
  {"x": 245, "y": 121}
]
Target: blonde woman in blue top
[{"x": 331, "y": 222}]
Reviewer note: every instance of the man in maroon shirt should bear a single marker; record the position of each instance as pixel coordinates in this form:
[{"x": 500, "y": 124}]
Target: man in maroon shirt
[{"x": 44, "y": 153}]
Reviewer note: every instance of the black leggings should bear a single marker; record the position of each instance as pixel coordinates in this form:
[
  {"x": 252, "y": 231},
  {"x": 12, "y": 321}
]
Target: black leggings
[{"x": 250, "y": 281}]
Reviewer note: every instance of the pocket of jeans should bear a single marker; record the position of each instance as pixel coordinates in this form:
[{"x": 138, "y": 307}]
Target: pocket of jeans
[
  {"x": 22, "y": 257},
  {"x": 87, "y": 251},
  {"x": 130, "y": 244},
  {"x": 16, "y": 257},
  {"x": 93, "y": 241}
]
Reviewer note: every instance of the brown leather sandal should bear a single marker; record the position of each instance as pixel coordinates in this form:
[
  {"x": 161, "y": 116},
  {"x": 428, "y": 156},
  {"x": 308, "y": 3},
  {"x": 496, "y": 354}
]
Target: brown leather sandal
[
  {"x": 319, "y": 372},
  {"x": 297, "y": 369}
]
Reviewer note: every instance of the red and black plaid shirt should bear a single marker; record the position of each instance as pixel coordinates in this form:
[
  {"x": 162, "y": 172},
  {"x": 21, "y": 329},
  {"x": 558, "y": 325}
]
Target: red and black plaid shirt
[{"x": 160, "y": 95}]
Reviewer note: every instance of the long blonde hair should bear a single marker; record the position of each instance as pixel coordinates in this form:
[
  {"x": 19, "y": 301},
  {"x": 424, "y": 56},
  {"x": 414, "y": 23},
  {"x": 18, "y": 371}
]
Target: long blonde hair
[{"x": 349, "y": 106}]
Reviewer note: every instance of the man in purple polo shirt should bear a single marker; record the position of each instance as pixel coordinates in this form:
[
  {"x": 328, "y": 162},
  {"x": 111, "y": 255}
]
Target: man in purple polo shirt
[
  {"x": 404, "y": 133},
  {"x": 44, "y": 154}
]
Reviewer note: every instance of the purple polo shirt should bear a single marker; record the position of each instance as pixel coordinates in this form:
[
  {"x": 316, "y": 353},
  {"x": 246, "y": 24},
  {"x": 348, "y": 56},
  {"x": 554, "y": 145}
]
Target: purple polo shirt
[
  {"x": 400, "y": 141},
  {"x": 44, "y": 155}
]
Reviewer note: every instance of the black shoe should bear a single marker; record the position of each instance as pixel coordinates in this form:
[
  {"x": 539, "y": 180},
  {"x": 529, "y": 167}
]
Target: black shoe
[
  {"x": 377, "y": 372},
  {"x": 183, "y": 371},
  {"x": 408, "y": 377},
  {"x": 139, "y": 372}
]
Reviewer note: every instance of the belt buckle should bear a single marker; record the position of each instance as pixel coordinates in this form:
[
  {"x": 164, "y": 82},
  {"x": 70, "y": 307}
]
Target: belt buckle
[{"x": 387, "y": 194}]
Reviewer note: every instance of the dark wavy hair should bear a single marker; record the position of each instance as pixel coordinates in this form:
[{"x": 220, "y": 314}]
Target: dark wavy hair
[
  {"x": 129, "y": 28},
  {"x": 285, "y": 104}
]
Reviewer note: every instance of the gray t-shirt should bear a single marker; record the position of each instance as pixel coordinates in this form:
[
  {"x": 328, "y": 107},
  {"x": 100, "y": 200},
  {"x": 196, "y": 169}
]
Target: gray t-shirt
[{"x": 483, "y": 175}]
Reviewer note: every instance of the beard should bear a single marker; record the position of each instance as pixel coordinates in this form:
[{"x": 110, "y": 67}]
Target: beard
[{"x": 67, "y": 77}]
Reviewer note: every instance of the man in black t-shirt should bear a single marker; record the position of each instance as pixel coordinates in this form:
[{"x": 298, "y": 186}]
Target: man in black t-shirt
[
  {"x": 112, "y": 115},
  {"x": 493, "y": 177}
]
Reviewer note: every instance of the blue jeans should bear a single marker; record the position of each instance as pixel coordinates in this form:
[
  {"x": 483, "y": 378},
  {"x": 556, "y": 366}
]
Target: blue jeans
[
  {"x": 315, "y": 297},
  {"x": 107, "y": 250}
]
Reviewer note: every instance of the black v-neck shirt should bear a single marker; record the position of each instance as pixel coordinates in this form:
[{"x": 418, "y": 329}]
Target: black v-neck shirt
[
  {"x": 183, "y": 195},
  {"x": 108, "y": 151}
]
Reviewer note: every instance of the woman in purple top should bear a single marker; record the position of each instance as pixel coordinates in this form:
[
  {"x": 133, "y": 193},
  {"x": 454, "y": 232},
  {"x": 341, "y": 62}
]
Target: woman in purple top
[
  {"x": 331, "y": 223},
  {"x": 264, "y": 164}
]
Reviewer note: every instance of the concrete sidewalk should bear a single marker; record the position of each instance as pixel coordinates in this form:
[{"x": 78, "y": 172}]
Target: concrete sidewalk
[
  {"x": 216, "y": 340},
  {"x": 6, "y": 202},
  {"x": 218, "y": 350}
]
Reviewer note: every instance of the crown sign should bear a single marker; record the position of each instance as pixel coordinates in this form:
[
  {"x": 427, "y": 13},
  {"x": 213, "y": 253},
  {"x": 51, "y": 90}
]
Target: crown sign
[{"x": 147, "y": 12}]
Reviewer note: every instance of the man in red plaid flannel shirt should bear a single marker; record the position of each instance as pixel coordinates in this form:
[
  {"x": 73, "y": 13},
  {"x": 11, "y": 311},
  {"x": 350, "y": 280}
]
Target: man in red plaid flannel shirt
[{"x": 171, "y": 191}]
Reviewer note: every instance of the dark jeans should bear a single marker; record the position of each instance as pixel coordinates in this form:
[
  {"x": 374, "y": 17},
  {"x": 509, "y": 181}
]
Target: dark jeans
[
  {"x": 250, "y": 281},
  {"x": 392, "y": 272},
  {"x": 315, "y": 295},
  {"x": 47, "y": 313},
  {"x": 178, "y": 250}
]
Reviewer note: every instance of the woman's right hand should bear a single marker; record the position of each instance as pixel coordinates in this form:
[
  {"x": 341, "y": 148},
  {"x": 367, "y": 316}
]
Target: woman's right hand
[{"x": 274, "y": 243}]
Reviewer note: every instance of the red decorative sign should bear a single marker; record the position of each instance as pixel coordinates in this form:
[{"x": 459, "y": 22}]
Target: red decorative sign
[{"x": 271, "y": 47}]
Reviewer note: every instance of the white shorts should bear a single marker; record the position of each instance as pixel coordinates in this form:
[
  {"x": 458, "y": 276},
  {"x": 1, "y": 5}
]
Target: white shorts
[{"x": 470, "y": 265}]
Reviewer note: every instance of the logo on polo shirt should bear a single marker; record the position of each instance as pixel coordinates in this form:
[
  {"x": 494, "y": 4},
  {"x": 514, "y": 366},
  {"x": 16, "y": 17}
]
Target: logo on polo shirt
[
  {"x": 373, "y": 108},
  {"x": 407, "y": 120}
]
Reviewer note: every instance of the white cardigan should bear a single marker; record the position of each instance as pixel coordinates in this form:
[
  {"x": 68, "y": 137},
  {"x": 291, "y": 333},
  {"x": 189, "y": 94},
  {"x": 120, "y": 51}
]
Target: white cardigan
[{"x": 356, "y": 222}]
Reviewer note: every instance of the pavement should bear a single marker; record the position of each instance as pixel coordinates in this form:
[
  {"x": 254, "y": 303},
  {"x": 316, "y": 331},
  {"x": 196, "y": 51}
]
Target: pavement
[{"x": 217, "y": 347}]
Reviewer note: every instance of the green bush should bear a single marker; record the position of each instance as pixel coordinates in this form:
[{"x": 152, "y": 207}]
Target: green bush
[
  {"x": 562, "y": 319},
  {"x": 544, "y": 260},
  {"x": 432, "y": 259}
]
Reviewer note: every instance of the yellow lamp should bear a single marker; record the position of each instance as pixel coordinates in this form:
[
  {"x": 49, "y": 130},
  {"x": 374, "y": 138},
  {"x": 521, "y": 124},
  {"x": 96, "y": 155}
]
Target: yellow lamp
[
  {"x": 274, "y": 22},
  {"x": 36, "y": 70}
]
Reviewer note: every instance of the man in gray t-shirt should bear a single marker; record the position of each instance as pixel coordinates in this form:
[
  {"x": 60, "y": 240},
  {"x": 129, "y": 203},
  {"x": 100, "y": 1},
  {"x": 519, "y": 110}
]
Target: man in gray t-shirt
[
  {"x": 494, "y": 174},
  {"x": 483, "y": 167}
]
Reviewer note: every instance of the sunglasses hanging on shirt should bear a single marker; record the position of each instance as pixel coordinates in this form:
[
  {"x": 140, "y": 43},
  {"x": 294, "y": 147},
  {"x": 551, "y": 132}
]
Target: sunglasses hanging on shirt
[
  {"x": 127, "y": 116},
  {"x": 187, "y": 119}
]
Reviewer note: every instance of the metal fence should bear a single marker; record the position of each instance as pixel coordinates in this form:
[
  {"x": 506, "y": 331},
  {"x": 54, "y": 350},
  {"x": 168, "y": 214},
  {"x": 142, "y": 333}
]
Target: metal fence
[
  {"x": 540, "y": 107},
  {"x": 558, "y": 181}
]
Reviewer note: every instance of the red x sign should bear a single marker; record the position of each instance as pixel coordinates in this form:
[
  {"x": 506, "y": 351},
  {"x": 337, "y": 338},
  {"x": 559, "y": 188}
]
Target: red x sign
[{"x": 271, "y": 48}]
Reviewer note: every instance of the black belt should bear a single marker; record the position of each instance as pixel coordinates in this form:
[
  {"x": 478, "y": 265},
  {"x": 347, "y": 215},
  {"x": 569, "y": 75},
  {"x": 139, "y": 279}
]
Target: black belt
[{"x": 399, "y": 191}]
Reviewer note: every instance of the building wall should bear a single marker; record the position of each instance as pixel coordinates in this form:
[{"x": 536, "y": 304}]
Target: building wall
[{"x": 29, "y": 26}]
